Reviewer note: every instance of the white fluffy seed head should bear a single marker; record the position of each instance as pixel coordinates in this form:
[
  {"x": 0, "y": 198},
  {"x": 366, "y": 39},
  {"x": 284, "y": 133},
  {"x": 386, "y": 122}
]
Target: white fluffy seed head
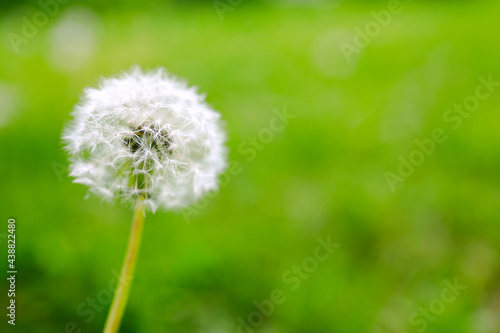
[{"x": 148, "y": 136}]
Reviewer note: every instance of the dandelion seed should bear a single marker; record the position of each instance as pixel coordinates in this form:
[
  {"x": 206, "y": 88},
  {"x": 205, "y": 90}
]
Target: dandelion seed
[
  {"x": 146, "y": 135},
  {"x": 149, "y": 139}
]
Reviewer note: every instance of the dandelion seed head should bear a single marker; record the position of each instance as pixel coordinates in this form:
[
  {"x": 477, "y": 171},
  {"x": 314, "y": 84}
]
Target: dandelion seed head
[{"x": 146, "y": 135}]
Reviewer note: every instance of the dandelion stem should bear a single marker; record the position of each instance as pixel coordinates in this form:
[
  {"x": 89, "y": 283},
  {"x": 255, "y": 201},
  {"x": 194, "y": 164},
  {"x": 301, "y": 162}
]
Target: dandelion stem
[{"x": 122, "y": 290}]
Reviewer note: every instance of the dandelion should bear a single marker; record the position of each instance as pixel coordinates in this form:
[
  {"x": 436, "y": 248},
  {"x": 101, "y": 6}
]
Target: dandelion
[{"x": 149, "y": 140}]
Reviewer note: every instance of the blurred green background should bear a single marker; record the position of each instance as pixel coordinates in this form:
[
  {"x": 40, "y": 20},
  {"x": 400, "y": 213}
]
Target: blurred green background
[{"x": 323, "y": 175}]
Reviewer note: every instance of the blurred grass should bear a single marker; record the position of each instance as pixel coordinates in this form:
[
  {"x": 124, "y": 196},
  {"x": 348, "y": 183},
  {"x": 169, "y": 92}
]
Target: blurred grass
[{"x": 323, "y": 175}]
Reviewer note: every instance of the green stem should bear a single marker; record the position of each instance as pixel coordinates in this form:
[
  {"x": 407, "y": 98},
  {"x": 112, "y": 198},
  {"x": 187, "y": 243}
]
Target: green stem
[{"x": 122, "y": 291}]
